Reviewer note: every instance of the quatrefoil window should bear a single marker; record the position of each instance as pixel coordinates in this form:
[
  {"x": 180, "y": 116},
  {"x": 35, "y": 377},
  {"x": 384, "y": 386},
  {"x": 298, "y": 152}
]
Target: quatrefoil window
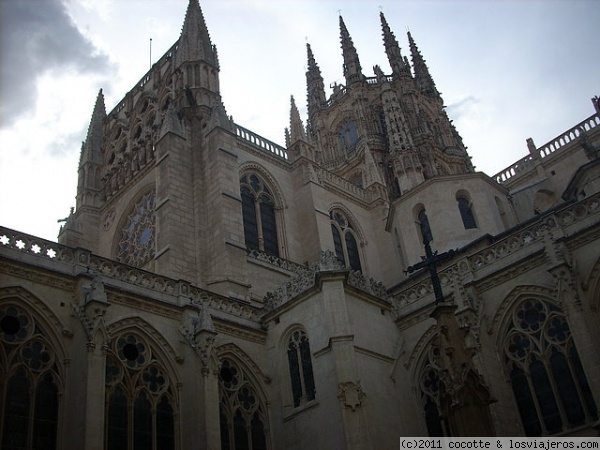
[{"x": 137, "y": 243}]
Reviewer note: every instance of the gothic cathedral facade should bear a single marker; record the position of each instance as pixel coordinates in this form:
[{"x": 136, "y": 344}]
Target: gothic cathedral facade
[{"x": 213, "y": 289}]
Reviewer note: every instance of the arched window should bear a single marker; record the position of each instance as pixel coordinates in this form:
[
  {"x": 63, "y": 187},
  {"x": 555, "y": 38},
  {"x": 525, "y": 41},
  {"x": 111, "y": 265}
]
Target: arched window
[
  {"x": 30, "y": 394},
  {"x": 241, "y": 411},
  {"x": 424, "y": 226},
  {"x": 300, "y": 364},
  {"x": 466, "y": 212},
  {"x": 140, "y": 402},
  {"x": 344, "y": 240},
  {"x": 548, "y": 382},
  {"x": 429, "y": 382},
  {"x": 258, "y": 212}
]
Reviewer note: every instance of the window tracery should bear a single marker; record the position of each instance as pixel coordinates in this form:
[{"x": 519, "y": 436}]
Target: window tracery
[
  {"x": 548, "y": 381},
  {"x": 242, "y": 414},
  {"x": 429, "y": 383},
  {"x": 258, "y": 212},
  {"x": 140, "y": 411},
  {"x": 300, "y": 365},
  {"x": 30, "y": 396},
  {"x": 137, "y": 242},
  {"x": 344, "y": 240}
]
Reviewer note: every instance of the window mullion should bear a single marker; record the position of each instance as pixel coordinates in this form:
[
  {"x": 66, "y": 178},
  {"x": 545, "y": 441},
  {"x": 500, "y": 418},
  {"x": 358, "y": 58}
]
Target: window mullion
[
  {"x": 261, "y": 239},
  {"x": 304, "y": 396},
  {"x": 535, "y": 400},
  {"x": 31, "y": 422}
]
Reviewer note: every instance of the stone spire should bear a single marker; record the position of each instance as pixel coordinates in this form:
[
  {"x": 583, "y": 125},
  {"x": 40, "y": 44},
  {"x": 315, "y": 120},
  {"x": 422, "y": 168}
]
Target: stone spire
[
  {"x": 90, "y": 159},
  {"x": 194, "y": 42},
  {"x": 422, "y": 77},
  {"x": 314, "y": 84},
  {"x": 171, "y": 123},
  {"x": 352, "y": 69},
  {"x": 392, "y": 50},
  {"x": 91, "y": 150},
  {"x": 296, "y": 126}
]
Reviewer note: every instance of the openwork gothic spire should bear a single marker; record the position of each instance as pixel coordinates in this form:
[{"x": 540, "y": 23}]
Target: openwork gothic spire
[
  {"x": 352, "y": 69},
  {"x": 314, "y": 84},
  {"x": 194, "y": 42},
  {"x": 392, "y": 50},
  {"x": 422, "y": 77}
]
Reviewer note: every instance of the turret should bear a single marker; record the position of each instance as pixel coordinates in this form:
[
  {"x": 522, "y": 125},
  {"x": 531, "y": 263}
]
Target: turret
[
  {"x": 392, "y": 49},
  {"x": 352, "y": 69},
  {"x": 196, "y": 62}
]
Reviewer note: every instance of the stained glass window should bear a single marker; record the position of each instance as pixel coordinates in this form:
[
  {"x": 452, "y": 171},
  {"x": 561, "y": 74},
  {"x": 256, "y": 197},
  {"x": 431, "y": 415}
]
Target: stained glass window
[
  {"x": 548, "y": 382},
  {"x": 429, "y": 381},
  {"x": 30, "y": 402},
  {"x": 300, "y": 364},
  {"x": 139, "y": 397},
  {"x": 344, "y": 240},
  {"x": 466, "y": 213},
  {"x": 242, "y": 413},
  {"x": 137, "y": 243},
  {"x": 258, "y": 213}
]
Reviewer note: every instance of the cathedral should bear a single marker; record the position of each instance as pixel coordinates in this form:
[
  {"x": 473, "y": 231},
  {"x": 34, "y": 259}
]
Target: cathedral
[{"x": 215, "y": 290}]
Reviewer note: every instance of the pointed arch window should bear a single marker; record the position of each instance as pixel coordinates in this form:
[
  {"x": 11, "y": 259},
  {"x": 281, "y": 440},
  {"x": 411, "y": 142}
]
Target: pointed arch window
[
  {"x": 344, "y": 240},
  {"x": 140, "y": 411},
  {"x": 258, "y": 212},
  {"x": 424, "y": 227},
  {"x": 548, "y": 381},
  {"x": 300, "y": 365},
  {"x": 429, "y": 382},
  {"x": 242, "y": 412},
  {"x": 466, "y": 212},
  {"x": 29, "y": 398}
]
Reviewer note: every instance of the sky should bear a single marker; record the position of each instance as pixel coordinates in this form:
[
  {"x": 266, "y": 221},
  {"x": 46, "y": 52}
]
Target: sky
[{"x": 507, "y": 71}]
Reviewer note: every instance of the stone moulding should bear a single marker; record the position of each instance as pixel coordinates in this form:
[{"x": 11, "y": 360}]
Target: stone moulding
[
  {"x": 305, "y": 278},
  {"x": 76, "y": 261}
]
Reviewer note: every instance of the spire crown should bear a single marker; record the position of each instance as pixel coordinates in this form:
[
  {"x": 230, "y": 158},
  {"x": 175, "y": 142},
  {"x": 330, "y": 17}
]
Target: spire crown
[
  {"x": 194, "y": 41},
  {"x": 422, "y": 76},
  {"x": 392, "y": 49},
  {"x": 92, "y": 146},
  {"x": 352, "y": 68}
]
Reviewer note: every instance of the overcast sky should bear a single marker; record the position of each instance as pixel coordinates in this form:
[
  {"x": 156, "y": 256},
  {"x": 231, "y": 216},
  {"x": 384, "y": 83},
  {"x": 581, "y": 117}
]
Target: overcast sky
[{"x": 507, "y": 70}]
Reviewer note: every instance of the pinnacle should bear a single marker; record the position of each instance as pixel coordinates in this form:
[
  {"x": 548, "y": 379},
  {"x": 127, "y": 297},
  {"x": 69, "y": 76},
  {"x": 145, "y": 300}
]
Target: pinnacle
[{"x": 194, "y": 42}]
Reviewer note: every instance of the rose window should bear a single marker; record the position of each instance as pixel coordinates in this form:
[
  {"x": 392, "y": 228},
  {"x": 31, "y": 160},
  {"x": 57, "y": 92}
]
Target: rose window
[{"x": 137, "y": 243}]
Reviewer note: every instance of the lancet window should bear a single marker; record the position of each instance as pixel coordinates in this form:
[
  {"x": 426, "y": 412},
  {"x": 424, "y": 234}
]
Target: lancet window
[
  {"x": 424, "y": 227},
  {"x": 300, "y": 364},
  {"x": 466, "y": 212},
  {"x": 30, "y": 392},
  {"x": 429, "y": 383},
  {"x": 548, "y": 381},
  {"x": 344, "y": 240},
  {"x": 137, "y": 240},
  {"x": 242, "y": 413},
  {"x": 140, "y": 403},
  {"x": 258, "y": 212}
]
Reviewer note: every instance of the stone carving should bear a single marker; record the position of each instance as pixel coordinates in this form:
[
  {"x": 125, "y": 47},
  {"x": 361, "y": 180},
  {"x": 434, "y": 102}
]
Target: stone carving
[
  {"x": 91, "y": 307},
  {"x": 351, "y": 394},
  {"x": 198, "y": 331}
]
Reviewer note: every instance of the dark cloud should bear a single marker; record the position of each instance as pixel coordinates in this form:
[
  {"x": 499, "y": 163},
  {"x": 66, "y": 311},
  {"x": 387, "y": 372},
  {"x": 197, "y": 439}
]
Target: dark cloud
[{"x": 37, "y": 36}]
